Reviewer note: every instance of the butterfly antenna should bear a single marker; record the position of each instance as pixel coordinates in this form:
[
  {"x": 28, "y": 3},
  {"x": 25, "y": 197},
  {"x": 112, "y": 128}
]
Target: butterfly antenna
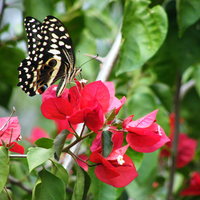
[{"x": 93, "y": 58}]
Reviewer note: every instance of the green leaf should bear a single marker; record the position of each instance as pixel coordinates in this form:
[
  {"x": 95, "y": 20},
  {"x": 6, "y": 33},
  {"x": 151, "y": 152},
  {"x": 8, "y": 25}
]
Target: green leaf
[
  {"x": 176, "y": 54},
  {"x": 10, "y": 58},
  {"x": 82, "y": 184},
  {"x": 51, "y": 187},
  {"x": 37, "y": 156},
  {"x": 59, "y": 142},
  {"x": 59, "y": 171},
  {"x": 143, "y": 31},
  {"x": 110, "y": 116},
  {"x": 46, "y": 143},
  {"x": 164, "y": 94},
  {"x": 4, "y": 166},
  {"x": 187, "y": 13},
  {"x": 106, "y": 143}
]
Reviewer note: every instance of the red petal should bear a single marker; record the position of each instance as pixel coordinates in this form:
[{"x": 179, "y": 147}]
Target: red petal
[
  {"x": 194, "y": 186},
  {"x": 16, "y": 148},
  {"x": 36, "y": 134},
  {"x": 144, "y": 122},
  {"x": 56, "y": 108},
  {"x": 63, "y": 124},
  {"x": 150, "y": 140},
  {"x": 81, "y": 163},
  {"x": 126, "y": 173},
  {"x": 51, "y": 93},
  {"x": 9, "y": 129},
  {"x": 96, "y": 144},
  {"x": 186, "y": 150},
  {"x": 95, "y": 92}
]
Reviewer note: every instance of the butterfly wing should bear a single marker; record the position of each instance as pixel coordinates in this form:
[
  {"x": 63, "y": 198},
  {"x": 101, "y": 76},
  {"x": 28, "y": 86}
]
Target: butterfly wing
[
  {"x": 27, "y": 68},
  {"x": 51, "y": 59}
]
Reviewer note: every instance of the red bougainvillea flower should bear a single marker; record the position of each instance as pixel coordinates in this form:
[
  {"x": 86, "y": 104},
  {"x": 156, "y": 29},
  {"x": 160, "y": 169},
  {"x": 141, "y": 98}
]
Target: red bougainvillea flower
[
  {"x": 194, "y": 186},
  {"x": 10, "y": 132},
  {"x": 36, "y": 134},
  {"x": 186, "y": 150},
  {"x": 117, "y": 169},
  {"x": 81, "y": 163},
  {"x": 145, "y": 135},
  {"x": 81, "y": 104}
]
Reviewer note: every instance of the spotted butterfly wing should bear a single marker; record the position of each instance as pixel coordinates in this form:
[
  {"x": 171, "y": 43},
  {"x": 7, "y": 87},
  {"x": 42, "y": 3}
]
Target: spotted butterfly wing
[{"x": 51, "y": 57}]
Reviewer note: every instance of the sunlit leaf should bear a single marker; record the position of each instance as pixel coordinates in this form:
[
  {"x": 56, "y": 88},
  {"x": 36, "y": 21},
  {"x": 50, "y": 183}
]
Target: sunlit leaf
[
  {"x": 37, "y": 156},
  {"x": 143, "y": 31}
]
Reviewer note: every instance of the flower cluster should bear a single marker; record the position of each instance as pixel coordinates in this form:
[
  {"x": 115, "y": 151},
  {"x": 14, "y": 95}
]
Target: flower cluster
[
  {"x": 96, "y": 106},
  {"x": 194, "y": 186},
  {"x": 9, "y": 133},
  {"x": 186, "y": 146}
]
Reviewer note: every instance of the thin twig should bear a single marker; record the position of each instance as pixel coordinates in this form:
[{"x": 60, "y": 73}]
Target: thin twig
[
  {"x": 110, "y": 59},
  {"x": 175, "y": 139},
  {"x": 19, "y": 184},
  {"x": 186, "y": 87},
  {"x": 18, "y": 155},
  {"x": 2, "y": 11},
  {"x": 7, "y": 193}
]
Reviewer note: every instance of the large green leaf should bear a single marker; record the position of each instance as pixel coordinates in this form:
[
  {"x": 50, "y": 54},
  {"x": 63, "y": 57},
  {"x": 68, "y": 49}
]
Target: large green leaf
[
  {"x": 187, "y": 13},
  {"x": 59, "y": 171},
  {"x": 10, "y": 58},
  {"x": 37, "y": 156},
  {"x": 176, "y": 54},
  {"x": 50, "y": 188},
  {"x": 4, "y": 166},
  {"x": 143, "y": 31},
  {"x": 82, "y": 184}
]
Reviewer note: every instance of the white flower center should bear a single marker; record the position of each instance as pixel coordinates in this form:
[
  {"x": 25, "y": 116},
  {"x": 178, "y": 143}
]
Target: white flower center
[
  {"x": 159, "y": 131},
  {"x": 120, "y": 160}
]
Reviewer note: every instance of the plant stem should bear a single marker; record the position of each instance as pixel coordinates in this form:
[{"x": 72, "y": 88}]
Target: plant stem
[
  {"x": 7, "y": 193},
  {"x": 66, "y": 149},
  {"x": 175, "y": 138}
]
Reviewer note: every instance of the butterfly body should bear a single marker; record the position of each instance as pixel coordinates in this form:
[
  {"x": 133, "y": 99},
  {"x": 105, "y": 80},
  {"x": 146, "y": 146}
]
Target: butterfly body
[{"x": 51, "y": 57}]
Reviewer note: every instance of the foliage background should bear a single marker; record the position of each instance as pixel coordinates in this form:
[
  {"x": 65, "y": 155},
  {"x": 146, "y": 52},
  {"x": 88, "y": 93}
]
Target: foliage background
[{"x": 160, "y": 44}]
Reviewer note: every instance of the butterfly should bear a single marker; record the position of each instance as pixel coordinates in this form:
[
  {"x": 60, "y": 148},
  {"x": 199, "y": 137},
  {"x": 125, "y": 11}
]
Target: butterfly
[{"x": 50, "y": 57}]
